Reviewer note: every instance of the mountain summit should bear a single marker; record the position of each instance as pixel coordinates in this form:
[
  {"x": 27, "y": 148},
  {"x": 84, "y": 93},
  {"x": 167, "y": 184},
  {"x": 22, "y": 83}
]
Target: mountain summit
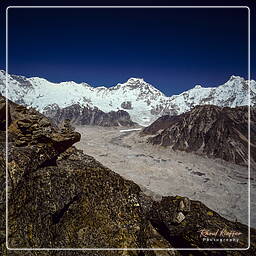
[{"x": 134, "y": 80}]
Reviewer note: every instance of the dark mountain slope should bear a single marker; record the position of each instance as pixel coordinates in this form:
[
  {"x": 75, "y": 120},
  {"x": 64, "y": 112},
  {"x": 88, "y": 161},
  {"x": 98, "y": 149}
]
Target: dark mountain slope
[
  {"x": 160, "y": 124},
  {"x": 88, "y": 116},
  {"x": 210, "y": 130}
]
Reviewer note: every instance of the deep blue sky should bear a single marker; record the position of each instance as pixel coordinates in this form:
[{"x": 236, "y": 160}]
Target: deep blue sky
[{"x": 173, "y": 49}]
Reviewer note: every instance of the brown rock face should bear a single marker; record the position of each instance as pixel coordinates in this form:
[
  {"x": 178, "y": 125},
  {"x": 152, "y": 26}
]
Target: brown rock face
[
  {"x": 210, "y": 130},
  {"x": 60, "y": 197}
]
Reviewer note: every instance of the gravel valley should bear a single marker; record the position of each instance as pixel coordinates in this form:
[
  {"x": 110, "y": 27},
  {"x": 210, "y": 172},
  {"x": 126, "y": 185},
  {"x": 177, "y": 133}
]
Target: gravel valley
[{"x": 160, "y": 171}]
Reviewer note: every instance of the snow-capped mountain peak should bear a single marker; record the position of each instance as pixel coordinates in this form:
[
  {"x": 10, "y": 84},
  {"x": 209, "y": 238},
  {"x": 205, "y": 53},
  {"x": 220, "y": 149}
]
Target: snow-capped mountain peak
[
  {"x": 233, "y": 77},
  {"x": 135, "y": 80},
  {"x": 135, "y": 83},
  {"x": 198, "y": 86},
  {"x": 140, "y": 99}
]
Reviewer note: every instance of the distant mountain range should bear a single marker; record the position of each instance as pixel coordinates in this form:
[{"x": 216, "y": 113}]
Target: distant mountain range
[{"x": 141, "y": 100}]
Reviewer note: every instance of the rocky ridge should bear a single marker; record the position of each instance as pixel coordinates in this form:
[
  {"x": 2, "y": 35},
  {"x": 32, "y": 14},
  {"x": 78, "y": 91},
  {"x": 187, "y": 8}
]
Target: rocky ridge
[
  {"x": 220, "y": 132},
  {"x": 88, "y": 116},
  {"x": 141, "y": 100},
  {"x": 60, "y": 197}
]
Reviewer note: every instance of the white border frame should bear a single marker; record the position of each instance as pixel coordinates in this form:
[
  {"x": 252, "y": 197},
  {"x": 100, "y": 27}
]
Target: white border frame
[{"x": 134, "y": 249}]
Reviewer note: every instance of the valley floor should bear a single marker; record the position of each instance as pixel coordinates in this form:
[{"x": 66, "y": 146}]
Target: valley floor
[{"x": 160, "y": 172}]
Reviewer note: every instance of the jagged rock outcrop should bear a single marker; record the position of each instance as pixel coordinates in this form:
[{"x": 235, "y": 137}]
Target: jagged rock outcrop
[
  {"x": 220, "y": 132},
  {"x": 126, "y": 105},
  {"x": 88, "y": 116},
  {"x": 60, "y": 197},
  {"x": 160, "y": 124}
]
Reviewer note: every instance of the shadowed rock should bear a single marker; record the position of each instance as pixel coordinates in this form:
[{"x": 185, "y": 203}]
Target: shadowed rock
[
  {"x": 126, "y": 105},
  {"x": 88, "y": 116}
]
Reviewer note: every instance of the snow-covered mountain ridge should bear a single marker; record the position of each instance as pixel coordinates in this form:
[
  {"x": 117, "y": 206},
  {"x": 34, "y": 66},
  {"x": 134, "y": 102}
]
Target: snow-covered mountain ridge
[{"x": 140, "y": 99}]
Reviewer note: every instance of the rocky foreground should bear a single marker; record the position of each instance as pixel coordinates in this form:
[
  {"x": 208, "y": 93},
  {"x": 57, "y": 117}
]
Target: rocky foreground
[
  {"x": 60, "y": 197},
  {"x": 210, "y": 130}
]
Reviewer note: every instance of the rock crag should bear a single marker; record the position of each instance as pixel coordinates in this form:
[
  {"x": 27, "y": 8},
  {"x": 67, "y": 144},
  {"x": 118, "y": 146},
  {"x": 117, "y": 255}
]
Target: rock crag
[
  {"x": 88, "y": 116},
  {"x": 60, "y": 197}
]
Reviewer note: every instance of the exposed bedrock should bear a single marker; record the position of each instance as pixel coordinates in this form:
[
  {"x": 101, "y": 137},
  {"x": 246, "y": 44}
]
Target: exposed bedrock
[{"x": 88, "y": 116}]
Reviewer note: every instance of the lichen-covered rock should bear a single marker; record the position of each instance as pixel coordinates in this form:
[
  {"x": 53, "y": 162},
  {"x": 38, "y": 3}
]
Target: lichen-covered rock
[
  {"x": 60, "y": 197},
  {"x": 194, "y": 224},
  {"x": 33, "y": 141}
]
